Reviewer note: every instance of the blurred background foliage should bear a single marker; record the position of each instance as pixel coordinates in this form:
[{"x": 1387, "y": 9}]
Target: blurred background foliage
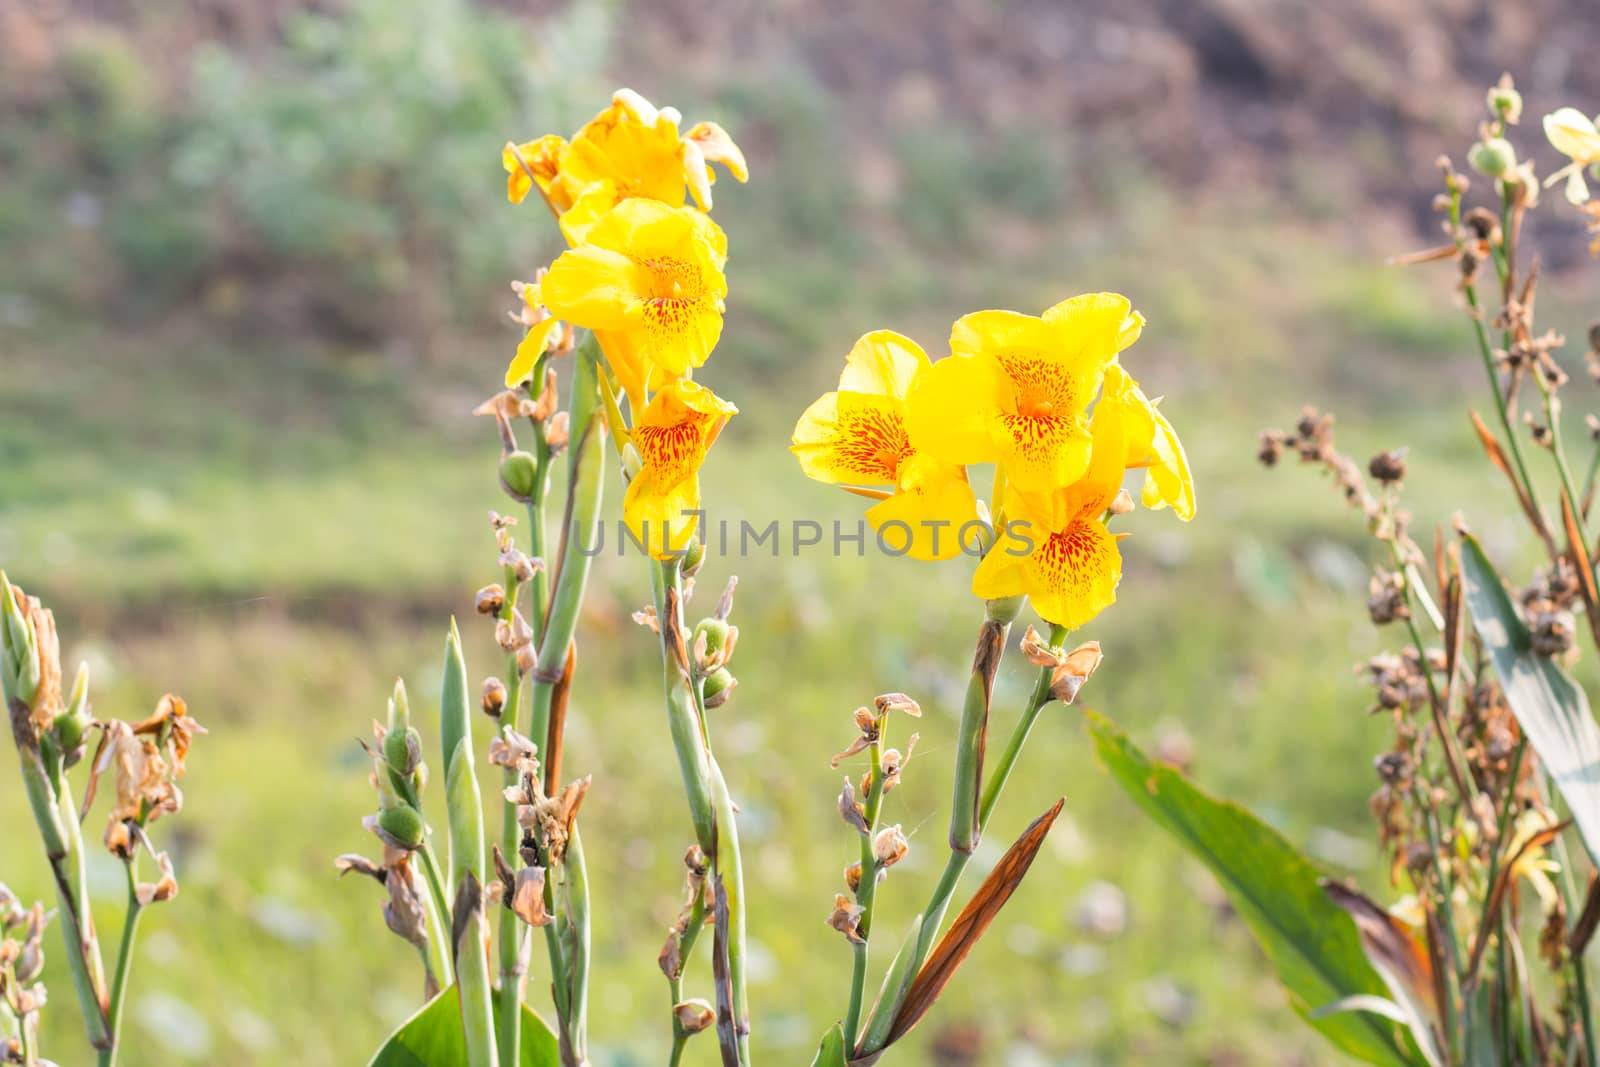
[{"x": 253, "y": 261}]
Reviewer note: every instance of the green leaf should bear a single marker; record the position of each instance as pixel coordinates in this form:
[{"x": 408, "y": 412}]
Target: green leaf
[
  {"x": 433, "y": 1038},
  {"x": 1552, "y": 710},
  {"x": 1312, "y": 943},
  {"x": 831, "y": 1052}
]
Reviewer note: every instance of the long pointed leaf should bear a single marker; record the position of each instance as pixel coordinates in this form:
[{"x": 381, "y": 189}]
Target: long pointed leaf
[
  {"x": 1313, "y": 944},
  {"x": 433, "y": 1038},
  {"x": 1552, "y": 711}
]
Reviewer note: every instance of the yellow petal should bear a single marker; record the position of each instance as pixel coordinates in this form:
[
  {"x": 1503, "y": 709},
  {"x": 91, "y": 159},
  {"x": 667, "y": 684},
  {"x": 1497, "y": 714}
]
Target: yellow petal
[
  {"x": 852, "y": 438},
  {"x": 660, "y": 512},
  {"x": 588, "y": 208},
  {"x": 1169, "y": 482},
  {"x": 532, "y": 347},
  {"x": 592, "y": 286},
  {"x": 952, "y": 407},
  {"x": 1573, "y": 134},
  {"x": 883, "y": 362},
  {"x": 1577, "y": 189},
  {"x": 928, "y": 520},
  {"x": 717, "y": 147},
  {"x": 1041, "y": 454},
  {"x": 1073, "y": 575}
]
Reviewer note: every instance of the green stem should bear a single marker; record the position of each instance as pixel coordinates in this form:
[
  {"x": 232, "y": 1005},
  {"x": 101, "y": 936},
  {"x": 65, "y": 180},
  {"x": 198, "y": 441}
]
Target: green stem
[
  {"x": 866, "y": 888},
  {"x": 49, "y": 799},
  {"x": 119, "y": 981},
  {"x": 513, "y": 938},
  {"x": 585, "y": 490},
  {"x": 691, "y": 934},
  {"x": 728, "y": 865},
  {"x": 982, "y": 801}
]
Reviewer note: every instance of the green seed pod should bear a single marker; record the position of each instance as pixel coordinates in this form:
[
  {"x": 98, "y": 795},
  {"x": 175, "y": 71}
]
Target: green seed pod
[
  {"x": 401, "y": 826},
  {"x": 402, "y": 751},
  {"x": 1493, "y": 157},
  {"x": 719, "y": 686},
  {"x": 519, "y": 475},
  {"x": 716, "y": 635}
]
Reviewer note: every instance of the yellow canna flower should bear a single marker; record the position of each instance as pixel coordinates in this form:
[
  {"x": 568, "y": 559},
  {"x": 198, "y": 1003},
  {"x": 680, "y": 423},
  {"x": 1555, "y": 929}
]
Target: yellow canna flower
[
  {"x": 533, "y": 163},
  {"x": 857, "y": 437},
  {"x": 1055, "y": 548},
  {"x": 1575, "y": 136},
  {"x": 673, "y": 434},
  {"x": 631, "y": 149},
  {"x": 648, "y": 280},
  {"x": 1152, "y": 444},
  {"x": 1016, "y": 388}
]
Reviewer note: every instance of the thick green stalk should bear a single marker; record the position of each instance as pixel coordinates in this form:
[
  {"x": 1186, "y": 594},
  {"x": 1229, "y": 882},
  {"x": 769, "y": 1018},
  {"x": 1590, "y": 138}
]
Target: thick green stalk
[
  {"x": 469, "y": 926},
  {"x": 119, "y": 980},
  {"x": 63, "y": 846},
  {"x": 575, "y": 934},
  {"x": 684, "y": 721},
  {"x": 728, "y": 865},
  {"x": 581, "y": 519}
]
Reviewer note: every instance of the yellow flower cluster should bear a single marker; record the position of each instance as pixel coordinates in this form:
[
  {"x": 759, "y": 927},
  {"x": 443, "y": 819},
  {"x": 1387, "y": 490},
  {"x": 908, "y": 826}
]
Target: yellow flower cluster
[
  {"x": 644, "y": 272},
  {"x": 1019, "y": 391}
]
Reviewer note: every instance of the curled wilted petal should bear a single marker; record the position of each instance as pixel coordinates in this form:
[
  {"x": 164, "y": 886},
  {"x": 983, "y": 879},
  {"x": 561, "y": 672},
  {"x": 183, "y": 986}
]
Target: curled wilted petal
[
  {"x": 30, "y": 960},
  {"x": 694, "y": 1015},
  {"x": 527, "y": 896},
  {"x": 403, "y": 913},
  {"x": 898, "y": 702},
  {"x": 510, "y": 404},
  {"x": 510, "y": 748},
  {"x": 353, "y": 861},
  {"x": 1037, "y": 651},
  {"x": 1075, "y": 669},
  {"x": 558, "y": 431},
  {"x": 852, "y": 876},
  {"x": 646, "y": 617},
  {"x": 846, "y": 917},
  {"x": 851, "y": 811},
  {"x": 164, "y": 889}
]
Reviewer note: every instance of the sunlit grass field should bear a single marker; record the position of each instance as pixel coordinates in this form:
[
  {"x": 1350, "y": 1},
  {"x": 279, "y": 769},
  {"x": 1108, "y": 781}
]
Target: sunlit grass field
[{"x": 276, "y": 530}]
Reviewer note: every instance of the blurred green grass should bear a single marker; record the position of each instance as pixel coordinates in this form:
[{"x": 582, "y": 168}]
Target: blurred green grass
[{"x": 276, "y": 522}]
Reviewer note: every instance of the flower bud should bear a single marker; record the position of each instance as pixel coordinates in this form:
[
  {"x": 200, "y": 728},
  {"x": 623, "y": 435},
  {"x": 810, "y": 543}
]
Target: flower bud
[
  {"x": 1493, "y": 157},
  {"x": 1505, "y": 102},
  {"x": 402, "y": 750},
  {"x": 401, "y": 826},
  {"x": 399, "y": 708},
  {"x": 693, "y": 556},
  {"x": 719, "y": 686},
  {"x": 519, "y": 474}
]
